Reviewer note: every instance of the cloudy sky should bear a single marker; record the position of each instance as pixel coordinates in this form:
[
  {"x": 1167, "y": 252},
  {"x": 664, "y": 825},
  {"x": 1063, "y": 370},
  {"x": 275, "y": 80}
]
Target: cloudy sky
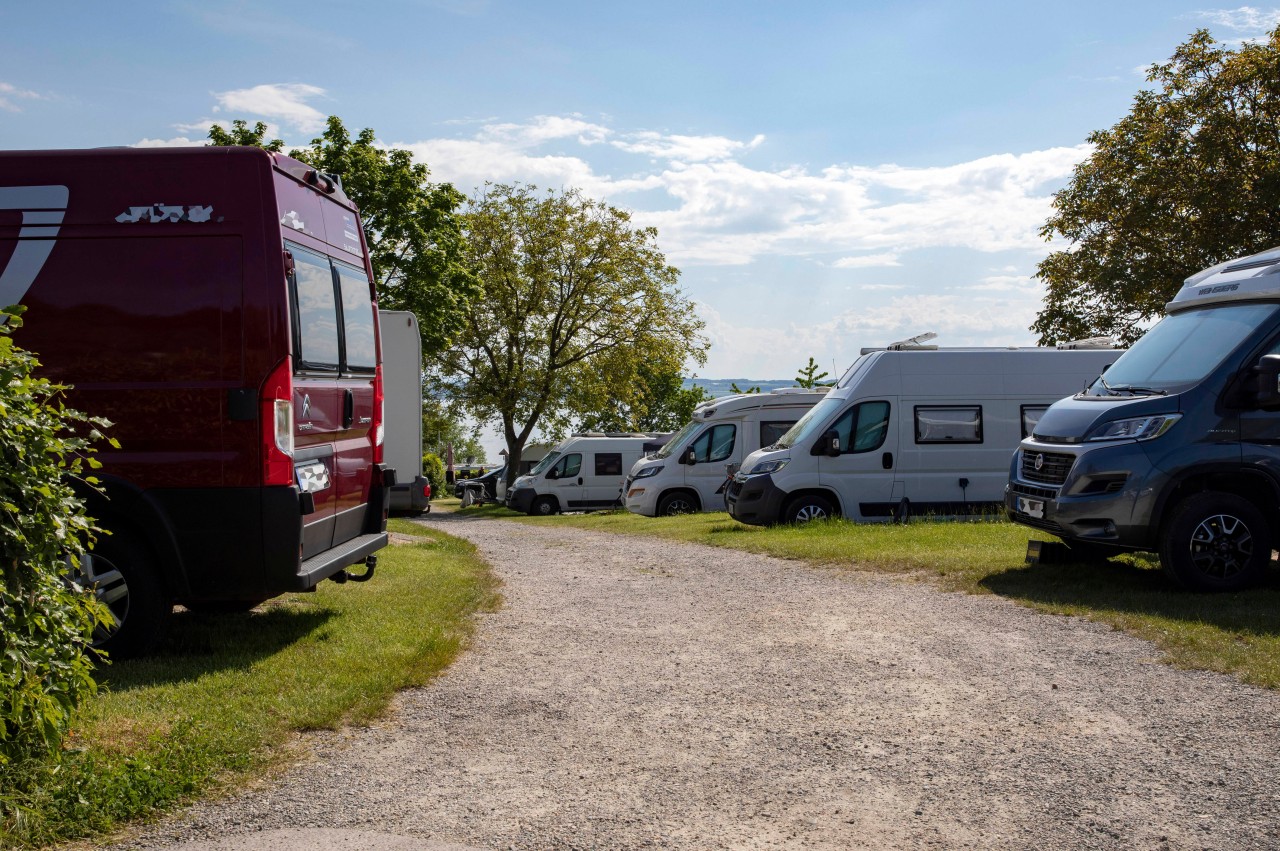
[{"x": 827, "y": 175}]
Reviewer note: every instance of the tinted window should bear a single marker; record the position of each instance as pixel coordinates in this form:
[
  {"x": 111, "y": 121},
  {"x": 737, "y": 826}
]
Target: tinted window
[
  {"x": 357, "y": 320},
  {"x": 317, "y": 310},
  {"x": 1031, "y": 415},
  {"x": 715, "y": 444},
  {"x": 608, "y": 463},
  {"x": 863, "y": 427},
  {"x": 569, "y": 466},
  {"x": 771, "y": 432},
  {"x": 955, "y": 424}
]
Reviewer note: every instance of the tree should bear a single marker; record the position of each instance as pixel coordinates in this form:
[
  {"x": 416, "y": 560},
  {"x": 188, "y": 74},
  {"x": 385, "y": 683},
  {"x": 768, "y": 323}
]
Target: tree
[
  {"x": 660, "y": 401},
  {"x": 809, "y": 377},
  {"x": 1189, "y": 178},
  {"x": 733, "y": 387},
  {"x": 411, "y": 225},
  {"x": 442, "y": 428},
  {"x": 575, "y": 298}
]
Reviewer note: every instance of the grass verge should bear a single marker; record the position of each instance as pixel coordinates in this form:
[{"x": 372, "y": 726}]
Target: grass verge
[
  {"x": 1231, "y": 633},
  {"x": 227, "y": 694}
]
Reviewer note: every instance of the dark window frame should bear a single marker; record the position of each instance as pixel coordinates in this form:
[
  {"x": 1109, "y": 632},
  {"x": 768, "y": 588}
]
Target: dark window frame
[
  {"x": 609, "y": 456},
  {"x": 342, "y": 367},
  {"x": 944, "y": 441},
  {"x": 709, "y": 434},
  {"x": 784, "y": 424},
  {"x": 1022, "y": 417},
  {"x": 854, "y": 414}
]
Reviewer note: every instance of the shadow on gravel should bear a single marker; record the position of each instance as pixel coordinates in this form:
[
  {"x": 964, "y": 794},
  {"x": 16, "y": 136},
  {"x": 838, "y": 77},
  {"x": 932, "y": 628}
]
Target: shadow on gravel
[
  {"x": 1134, "y": 584},
  {"x": 200, "y": 644}
]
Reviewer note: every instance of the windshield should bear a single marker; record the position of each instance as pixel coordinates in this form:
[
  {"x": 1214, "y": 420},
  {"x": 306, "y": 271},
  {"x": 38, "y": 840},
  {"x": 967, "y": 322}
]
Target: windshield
[
  {"x": 808, "y": 424},
  {"x": 547, "y": 461},
  {"x": 1181, "y": 350},
  {"x": 674, "y": 443}
]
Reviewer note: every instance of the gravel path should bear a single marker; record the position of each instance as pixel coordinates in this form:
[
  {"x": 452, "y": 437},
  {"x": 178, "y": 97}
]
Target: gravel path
[{"x": 642, "y": 693}]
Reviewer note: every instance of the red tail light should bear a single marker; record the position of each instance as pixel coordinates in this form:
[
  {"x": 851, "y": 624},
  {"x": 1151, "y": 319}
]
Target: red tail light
[
  {"x": 379, "y": 433},
  {"x": 276, "y": 422}
]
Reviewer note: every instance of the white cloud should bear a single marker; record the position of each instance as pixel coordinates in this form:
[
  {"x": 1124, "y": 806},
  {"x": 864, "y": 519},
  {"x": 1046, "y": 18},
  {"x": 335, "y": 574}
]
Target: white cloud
[
  {"x": 11, "y": 94},
  {"x": 866, "y": 261},
  {"x": 684, "y": 148},
  {"x": 282, "y": 102},
  {"x": 1244, "y": 19},
  {"x": 175, "y": 142}
]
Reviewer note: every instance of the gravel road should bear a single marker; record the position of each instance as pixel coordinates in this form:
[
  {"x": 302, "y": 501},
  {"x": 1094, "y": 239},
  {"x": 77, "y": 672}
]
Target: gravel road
[{"x": 638, "y": 693}]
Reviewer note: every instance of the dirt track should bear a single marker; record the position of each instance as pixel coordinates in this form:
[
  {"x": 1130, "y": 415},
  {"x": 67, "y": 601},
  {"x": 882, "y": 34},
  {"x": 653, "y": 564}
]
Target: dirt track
[{"x": 643, "y": 693}]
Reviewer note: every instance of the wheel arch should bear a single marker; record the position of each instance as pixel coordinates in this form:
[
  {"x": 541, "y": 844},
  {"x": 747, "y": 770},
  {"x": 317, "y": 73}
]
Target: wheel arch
[
  {"x": 121, "y": 507},
  {"x": 825, "y": 493},
  {"x": 684, "y": 489},
  {"x": 1251, "y": 483}
]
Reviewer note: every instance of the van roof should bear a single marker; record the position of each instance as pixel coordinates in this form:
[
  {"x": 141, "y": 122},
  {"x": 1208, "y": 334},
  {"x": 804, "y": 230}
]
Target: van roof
[
  {"x": 1249, "y": 278},
  {"x": 781, "y": 397}
]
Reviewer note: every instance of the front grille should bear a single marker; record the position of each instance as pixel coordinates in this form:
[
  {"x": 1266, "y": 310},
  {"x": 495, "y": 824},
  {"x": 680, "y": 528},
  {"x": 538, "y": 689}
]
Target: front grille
[
  {"x": 1053, "y": 467},
  {"x": 1032, "y": 490}
]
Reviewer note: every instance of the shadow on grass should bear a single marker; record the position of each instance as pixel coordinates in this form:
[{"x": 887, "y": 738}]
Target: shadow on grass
[
  {"x": 199, "y": 644},
  {"x": 1135, "y": 585}
]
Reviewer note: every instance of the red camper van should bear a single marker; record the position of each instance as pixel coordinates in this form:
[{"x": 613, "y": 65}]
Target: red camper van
[{"x": 216, "y": 304}]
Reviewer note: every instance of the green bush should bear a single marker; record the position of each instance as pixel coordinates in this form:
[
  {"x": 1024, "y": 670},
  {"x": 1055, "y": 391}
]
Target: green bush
[
  {"x": 433, "y": 469},
  {"x": 45, "y": 621}
]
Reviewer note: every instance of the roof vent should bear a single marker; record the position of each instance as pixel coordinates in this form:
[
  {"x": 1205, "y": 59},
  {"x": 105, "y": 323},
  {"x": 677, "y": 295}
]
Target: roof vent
[
  {"x": 916, "y": 343},
  {"x": 1089, "y": 343}
]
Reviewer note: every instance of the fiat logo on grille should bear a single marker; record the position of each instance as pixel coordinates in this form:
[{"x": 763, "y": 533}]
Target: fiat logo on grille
[{"x": 1039, "y": 461}]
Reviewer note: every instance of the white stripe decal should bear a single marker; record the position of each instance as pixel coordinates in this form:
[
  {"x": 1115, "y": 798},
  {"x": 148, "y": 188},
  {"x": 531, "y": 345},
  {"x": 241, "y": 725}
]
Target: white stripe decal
[{"x": 40, "y": 205}]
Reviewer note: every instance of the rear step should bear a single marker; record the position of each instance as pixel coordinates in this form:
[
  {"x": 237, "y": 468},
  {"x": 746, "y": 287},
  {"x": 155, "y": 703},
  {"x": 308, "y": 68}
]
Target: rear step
[{"x": 324, "y": 565}]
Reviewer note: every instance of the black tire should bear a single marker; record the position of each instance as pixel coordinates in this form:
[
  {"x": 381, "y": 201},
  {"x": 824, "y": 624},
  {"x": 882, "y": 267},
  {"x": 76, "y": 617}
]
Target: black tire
[
  {"x": 806, "y": 508},
  {"x": 1215, "y": 541},
  {"x": 678, "y": 502},
  {"x": 121, "y": 571},
  {"x": 544, "y": 506},
  {"x": 220, "y": 607}
]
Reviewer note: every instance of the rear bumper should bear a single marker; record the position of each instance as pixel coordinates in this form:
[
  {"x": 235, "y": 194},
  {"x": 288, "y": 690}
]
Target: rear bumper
[{"x": 411, "y": 496}]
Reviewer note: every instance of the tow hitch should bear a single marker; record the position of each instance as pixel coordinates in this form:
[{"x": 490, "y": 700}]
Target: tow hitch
[{"x": 370, "y": 563}]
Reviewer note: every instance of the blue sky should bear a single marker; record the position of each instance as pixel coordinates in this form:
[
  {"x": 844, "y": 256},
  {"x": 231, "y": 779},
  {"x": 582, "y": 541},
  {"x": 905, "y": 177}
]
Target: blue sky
[{"x": 826, "y": 175}]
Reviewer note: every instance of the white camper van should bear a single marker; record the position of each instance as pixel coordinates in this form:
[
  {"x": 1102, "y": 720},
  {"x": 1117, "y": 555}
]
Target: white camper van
[
  {"x": 402, "y": 380},
  {"x": 689, "y": 473},
  {"x": 583, "y": 473},
  {"x": 911, "y": 429}
]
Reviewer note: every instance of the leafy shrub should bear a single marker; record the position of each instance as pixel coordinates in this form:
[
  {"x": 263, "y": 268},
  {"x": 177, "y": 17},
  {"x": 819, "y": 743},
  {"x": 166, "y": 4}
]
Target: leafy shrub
[
  {"x": 45, "y": 622},
  {"x": 433, "y": 469}
]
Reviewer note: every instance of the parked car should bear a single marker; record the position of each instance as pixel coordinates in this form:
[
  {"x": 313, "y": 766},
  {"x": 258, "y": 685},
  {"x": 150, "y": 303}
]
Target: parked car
[
  {"x": 689, "y": 473},
  {"x": 481, "y": 489},
  {"x": 217, "y": 305},
  {"x": 911, "y": 429},
  {"x": 585, "y": 472},
  {"x": 1174, "y": 449}
]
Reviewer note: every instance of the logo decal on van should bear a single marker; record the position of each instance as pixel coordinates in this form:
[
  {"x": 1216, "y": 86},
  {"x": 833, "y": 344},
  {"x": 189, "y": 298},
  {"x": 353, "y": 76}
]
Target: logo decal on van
[
  {"x": 42, "y": 210},
  {"x": 1221, "y": 288},
  {"x": 167, "y": 213}
]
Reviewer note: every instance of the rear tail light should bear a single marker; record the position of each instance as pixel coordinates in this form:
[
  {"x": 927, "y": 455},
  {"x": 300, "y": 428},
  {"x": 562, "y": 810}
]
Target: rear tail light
[
  {"x": 277, "y": 425},
  {"x": 379, "y": 416}
]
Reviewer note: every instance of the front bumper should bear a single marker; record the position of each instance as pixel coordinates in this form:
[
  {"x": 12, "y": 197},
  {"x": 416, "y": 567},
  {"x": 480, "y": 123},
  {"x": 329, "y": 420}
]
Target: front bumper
[
  {"x": 521, "y": 499},
  {"x": 755, "y": 500},
  {"x": 646, "y": 501}
]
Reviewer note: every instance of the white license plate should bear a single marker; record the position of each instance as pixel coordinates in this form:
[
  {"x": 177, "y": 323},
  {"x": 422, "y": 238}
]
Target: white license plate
[{"x": 1031, "y": 507}]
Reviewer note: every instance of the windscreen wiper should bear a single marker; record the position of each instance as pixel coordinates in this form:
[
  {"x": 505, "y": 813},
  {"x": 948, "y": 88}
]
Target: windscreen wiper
[{"x": 1116, "y": 390}]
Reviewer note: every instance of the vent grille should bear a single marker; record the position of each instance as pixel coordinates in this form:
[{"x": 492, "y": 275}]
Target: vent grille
[{"x": 1053, "y": 467}]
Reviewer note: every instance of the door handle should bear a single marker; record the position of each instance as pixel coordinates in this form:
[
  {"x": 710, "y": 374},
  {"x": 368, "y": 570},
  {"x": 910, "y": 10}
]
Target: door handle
[
  {"x": 579, "y": 479},
  {"x": 886, "y": 460},
  {"x": 348, "y": 409}
]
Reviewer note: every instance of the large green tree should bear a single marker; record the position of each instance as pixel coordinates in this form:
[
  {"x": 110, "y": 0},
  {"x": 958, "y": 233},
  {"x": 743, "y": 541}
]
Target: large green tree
[
  {"x": 576, "y": 297},
  {"x": 442, "y": 428},
  {"x": 658, "y": 400},
  {"x": 412, "y": 225},
  {"x": 1189, "y": 178}
]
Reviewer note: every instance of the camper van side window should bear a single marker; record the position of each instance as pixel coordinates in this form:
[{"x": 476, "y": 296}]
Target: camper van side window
[
  {"x": 948, "y": 424},
  {"x": 1031, "y": 415},
  {"x": 863, "y": 427},
  {"x": 608, "y": 463},
  {"x": 569, "y": 466},
  {"x": 357, "y": 320},
  {"x": 317, "y": 310},
  {"x": 770, "y": 432},
  {"x": 716, "y": 443}
]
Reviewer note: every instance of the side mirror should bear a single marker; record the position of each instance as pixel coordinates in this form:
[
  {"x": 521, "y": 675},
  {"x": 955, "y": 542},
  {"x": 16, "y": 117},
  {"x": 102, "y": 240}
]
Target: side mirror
[
  {"x": 690, "y": 457},
  {"x": 552, "y": 474},
  {"x": 1267, "y": 378},
  {"x": 828, "y": 444}
]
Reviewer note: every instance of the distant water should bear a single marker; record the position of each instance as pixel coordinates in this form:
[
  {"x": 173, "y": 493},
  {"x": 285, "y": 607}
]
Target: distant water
[{"x": 723, "y": 386}]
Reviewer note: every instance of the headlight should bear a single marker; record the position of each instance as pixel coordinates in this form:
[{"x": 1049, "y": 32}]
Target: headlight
[
  {"x": 768, "y": 467},
  {"x": 648, "y": 471},
  {"x": 1135, "y": 428}
]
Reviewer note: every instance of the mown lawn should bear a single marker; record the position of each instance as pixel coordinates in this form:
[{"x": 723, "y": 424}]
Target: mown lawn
[
  {"x": 1232, "y": 633},
  {"x": 228, "y": 694}
]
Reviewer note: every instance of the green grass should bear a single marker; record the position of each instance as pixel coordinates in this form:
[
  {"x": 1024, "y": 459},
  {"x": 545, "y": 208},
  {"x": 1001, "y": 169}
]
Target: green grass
[
  {"x": 226, "y": 695},
  {"x": 1231, "y": 633}
]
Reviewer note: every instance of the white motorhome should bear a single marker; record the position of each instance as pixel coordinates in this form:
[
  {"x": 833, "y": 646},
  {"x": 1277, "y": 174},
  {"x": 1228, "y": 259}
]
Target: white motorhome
[
  {"x": 911, "y": 429},
  {"x": 689, "y": 473},
  {"x": 583, "y": 473},
  {"x": 402, "y": 380}
]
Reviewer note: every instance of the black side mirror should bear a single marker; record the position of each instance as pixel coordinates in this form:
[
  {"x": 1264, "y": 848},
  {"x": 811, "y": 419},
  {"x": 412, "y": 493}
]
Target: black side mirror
[
  {"x": 690, "y": 457},
  {"x": 552, "y": 474},
  {"x": 828, "y": 444},
  {"x": 1267, "y": 378}
]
